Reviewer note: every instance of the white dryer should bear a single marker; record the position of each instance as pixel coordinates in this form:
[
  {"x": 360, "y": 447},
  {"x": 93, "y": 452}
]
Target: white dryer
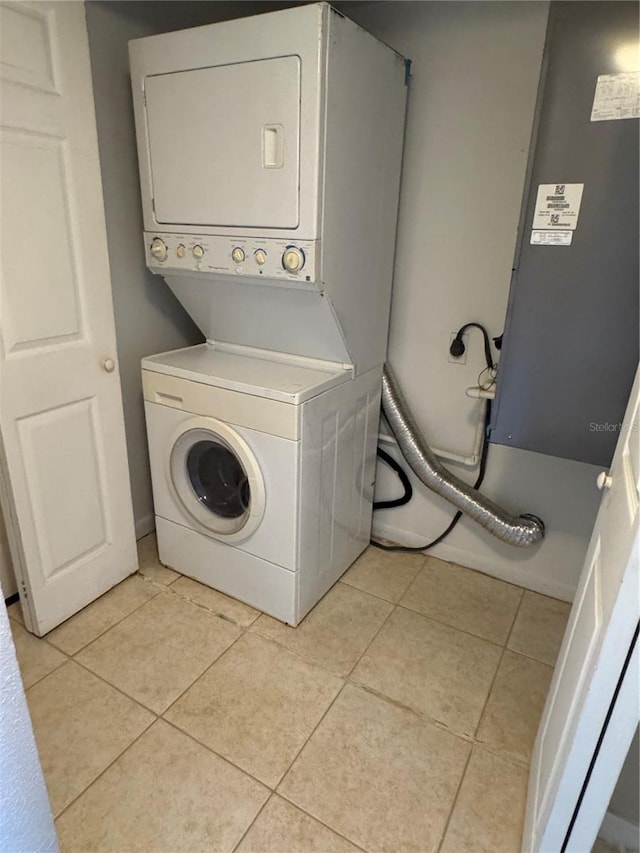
[{"x": 262, "y": 468}]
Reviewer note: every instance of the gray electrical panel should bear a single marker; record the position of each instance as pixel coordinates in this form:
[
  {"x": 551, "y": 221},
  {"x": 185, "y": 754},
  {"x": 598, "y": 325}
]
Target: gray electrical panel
[{"x": 571, "y": 338}]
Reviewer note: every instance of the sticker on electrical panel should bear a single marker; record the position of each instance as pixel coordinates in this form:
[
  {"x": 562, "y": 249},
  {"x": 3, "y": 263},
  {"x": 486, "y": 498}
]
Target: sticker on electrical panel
[
  {"x": 557, "y": 207},
  {"x": 617, "y": 96},
  {"x": 551, "y": 238}
]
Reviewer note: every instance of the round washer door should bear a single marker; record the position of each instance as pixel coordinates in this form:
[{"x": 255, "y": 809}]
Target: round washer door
[{"x": 217, "y": 479}]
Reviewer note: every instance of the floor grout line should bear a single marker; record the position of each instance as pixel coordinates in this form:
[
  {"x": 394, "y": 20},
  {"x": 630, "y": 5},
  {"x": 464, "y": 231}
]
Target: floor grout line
[
  {"x": 443, "y": 834},
  {"x": 260, "y": 810},
  {"x": 368, "y": 646},
  {"x": 321, "y": 822},
  {"x": 311, "y": 734},
  {"x": 495, "y": 675},
  {"x": 202, "y": 675},
  {"x": 453, "y": 627},
  {"x": 106, "y": 630},
  {"x": 217, "y": 754},
  {"x": 204, "y": 607},
  {"x": 515, "y": 619},
  {"x": 46, "y": 675},
  {"x": 284, "y": 796},
  {"x": 104, "y": 770},
  {"x": 531, "y": 658},
  {"x": 344, "y": 581},
  {"x": 115, "y": 687}
]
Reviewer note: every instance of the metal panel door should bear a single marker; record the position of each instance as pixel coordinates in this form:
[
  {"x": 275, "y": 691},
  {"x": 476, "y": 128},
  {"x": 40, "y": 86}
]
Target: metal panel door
[
  {"x": 571, "y": 339},
  {"x": 224, "y": 144},
  {"x": 64, "y": 479}
]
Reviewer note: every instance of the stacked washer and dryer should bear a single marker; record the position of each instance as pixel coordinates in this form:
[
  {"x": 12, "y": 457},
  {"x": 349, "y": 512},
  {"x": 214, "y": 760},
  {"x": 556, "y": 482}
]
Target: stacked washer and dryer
[{"x": 270, "y": 151}]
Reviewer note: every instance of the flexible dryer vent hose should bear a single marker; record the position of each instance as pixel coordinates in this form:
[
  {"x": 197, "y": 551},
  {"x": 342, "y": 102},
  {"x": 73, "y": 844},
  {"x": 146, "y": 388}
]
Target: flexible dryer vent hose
[{"x": 522, "y": 531}]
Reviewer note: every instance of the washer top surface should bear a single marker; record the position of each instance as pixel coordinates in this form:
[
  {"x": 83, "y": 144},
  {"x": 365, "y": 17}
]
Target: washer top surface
[{"x": 280, "y": 377}]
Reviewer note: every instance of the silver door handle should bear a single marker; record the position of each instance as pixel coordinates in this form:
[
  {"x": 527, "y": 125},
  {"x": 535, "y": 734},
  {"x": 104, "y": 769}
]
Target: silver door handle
[
  {"x": 109, "y": 365},
  {"x": 604, "y": 481}
]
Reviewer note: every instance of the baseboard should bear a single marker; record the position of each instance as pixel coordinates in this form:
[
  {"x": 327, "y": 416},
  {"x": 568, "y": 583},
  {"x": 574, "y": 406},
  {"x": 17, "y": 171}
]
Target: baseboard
[
  {"x": 145, "y": 525},
  {"x": 515, "y": 573},
  {"x": 619, "y": 832}
]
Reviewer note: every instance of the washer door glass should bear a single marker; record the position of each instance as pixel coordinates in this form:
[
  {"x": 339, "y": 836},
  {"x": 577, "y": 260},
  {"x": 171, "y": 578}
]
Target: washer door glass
[{"x": 218, "y": 479}]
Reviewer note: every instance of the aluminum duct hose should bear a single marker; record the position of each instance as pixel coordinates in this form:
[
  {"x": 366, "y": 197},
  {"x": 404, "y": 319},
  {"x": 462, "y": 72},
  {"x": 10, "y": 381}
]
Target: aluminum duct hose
[{"x": 521, "y": 531}]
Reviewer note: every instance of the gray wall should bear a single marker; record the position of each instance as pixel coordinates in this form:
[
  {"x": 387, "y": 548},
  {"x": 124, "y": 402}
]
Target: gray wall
[
  {"x": 148, "y": 318},
  {"x": 625, "y": 802},
  {"x": 475, "y": 72}
]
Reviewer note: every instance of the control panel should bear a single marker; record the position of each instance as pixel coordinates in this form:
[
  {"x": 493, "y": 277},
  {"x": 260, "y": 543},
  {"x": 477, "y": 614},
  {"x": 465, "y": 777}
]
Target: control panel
[{"x": 242, "y": 256}]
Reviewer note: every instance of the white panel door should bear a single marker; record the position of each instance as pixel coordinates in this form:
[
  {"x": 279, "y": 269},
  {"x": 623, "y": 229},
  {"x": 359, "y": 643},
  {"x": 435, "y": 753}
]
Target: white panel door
[
  {"x": 592, "y": 659},
  {"x": 224, "y": 144},
  {"x": 65, "y": 484}
]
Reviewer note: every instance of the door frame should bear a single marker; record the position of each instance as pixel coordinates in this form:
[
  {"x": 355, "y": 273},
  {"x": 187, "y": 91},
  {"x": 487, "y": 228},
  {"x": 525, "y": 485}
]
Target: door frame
[{"x": 609, "y": 757}]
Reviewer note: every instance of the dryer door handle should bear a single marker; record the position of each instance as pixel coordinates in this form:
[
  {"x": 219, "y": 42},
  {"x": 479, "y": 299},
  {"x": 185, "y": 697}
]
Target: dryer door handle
[{"x": 272, "y": 146}]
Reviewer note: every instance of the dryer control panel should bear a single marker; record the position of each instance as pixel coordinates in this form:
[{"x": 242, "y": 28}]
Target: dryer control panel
[{"x": 243, "y": 256}]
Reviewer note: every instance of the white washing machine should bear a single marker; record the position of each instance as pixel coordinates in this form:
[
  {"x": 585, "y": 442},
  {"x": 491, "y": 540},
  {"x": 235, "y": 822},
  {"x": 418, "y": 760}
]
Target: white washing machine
[{"x": 272, "y": 455}]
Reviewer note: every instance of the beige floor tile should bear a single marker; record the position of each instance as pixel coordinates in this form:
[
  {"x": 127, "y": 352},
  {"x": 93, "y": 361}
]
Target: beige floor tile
[
  {"x": 489, "y": 812},
  {"x": 434, "y": 669},
  {"x": 149, "y": 562},
  {"x": 378, "y": 774},
  {"x": 81, "y": 725},
  {"x": 336, "y": 632},
  {"x": 539, "y": 627},
  {"x": 256, "y": 706},
  {"x": 216, "y": 602},
  {"x": 157, "y": 652},
  {"x": 510, "y": 720},
  {"x": 602, "y": 846},
  {"x": 102, "y": 614},
  {"x": 15, "y": 612},
  {"x": 282, "y": 828},
  {"x": 36, "y": 657},
  {"x": 386, "y": 574},
  {"x": 464, "y": 599},
  {"x": 165, "y": 794}
]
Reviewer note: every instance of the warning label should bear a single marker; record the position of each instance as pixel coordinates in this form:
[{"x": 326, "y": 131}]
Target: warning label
[
  {"x": 557, "y": 206},
  {"x": 551, "y": 238},
  {"x": 617, "y": 96}
]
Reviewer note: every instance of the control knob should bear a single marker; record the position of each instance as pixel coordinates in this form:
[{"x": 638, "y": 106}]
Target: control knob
[
  {"x": 293, "y": 259},
  {"x": 261, "y": 256},
  {"x": 197, "y": 252},
  {"x": 158, "y": 249},
  {"x": 238, "y": 255}
]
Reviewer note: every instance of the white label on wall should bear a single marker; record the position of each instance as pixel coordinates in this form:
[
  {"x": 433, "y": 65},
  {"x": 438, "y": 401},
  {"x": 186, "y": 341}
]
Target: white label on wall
[
  {"x": 557, "y": 206},
  {"x": 617, "y": 96},
  {"x": 551, "y": 238}
]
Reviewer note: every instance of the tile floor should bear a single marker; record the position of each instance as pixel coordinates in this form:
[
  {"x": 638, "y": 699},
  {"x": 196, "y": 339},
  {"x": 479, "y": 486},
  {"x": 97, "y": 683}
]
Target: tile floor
[{"x": 399, "y": 716}]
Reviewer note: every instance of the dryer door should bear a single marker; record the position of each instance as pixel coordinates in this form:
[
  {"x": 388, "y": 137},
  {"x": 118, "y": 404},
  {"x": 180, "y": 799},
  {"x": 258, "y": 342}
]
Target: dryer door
[
  {"x": 224, "y": 144},
  {"x": 217, "y": 479}
]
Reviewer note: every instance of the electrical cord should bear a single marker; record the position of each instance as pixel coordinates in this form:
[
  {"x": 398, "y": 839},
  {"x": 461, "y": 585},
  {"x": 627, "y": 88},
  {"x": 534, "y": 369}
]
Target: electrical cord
[
  {"x": 402, "y": 476},
  {"x": 456, "y": 518},
  {"x": 456, "y": 349}
]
